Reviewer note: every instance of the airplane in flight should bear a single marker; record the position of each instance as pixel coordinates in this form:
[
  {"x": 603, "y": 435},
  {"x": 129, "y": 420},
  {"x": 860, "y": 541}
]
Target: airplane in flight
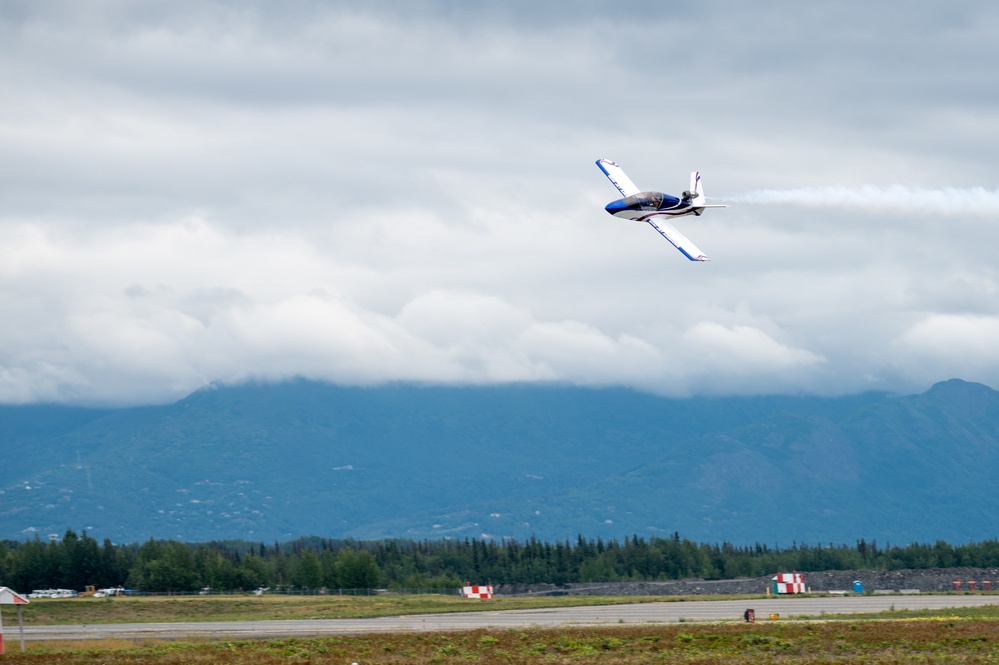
[{"x": 649, "y": 206}]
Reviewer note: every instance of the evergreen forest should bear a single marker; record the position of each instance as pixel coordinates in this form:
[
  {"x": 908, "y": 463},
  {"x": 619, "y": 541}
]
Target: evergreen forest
[{"x": 313, "y": 564}]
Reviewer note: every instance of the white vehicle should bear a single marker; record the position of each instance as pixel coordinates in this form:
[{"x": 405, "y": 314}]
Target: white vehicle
[
  {"x": 655, "y": 206},
  {"x": 52, "y": 593}
]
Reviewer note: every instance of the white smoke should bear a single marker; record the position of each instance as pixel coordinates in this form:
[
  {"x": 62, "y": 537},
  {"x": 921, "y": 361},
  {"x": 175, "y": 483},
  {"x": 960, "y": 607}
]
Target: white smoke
[{"x": 897, "y": 198}]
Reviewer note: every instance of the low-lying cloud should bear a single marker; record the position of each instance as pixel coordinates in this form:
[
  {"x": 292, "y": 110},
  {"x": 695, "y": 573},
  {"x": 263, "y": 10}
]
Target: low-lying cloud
[{"x": 112, "y": 320}]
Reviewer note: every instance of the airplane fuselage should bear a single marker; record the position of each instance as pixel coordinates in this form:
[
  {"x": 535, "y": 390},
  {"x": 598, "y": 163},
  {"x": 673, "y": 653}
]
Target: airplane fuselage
[{"x": 642, "y": 206}]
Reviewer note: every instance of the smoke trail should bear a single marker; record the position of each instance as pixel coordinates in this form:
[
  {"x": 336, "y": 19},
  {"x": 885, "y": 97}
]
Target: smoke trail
[{"x": 897, "y": 198}]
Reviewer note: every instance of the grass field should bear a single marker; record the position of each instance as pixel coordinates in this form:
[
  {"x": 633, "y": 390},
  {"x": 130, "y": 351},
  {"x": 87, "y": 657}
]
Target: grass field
[{"x": 962, "y": 635}]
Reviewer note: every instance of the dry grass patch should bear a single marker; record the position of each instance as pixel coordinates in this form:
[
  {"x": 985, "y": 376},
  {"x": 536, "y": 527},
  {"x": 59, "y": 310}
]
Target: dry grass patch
[{"x": 876, "y": 642}]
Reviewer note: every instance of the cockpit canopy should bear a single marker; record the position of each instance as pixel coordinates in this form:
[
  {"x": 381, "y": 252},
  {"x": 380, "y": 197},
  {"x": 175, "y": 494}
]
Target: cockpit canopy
[{"x": 647, "y": 201}]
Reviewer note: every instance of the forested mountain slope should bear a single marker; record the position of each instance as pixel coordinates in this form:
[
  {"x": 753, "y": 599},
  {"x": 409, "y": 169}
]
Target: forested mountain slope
[{"x": 283, "y": 460}]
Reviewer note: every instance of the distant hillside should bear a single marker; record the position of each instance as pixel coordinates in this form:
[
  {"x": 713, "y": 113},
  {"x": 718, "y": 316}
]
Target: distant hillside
[{"x": 278, "y": 461}]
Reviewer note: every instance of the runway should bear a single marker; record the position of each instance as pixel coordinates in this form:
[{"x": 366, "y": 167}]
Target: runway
[{"x": 639, "y": 613}]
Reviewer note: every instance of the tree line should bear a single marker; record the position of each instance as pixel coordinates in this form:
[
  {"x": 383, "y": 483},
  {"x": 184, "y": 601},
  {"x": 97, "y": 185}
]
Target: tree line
[{"x": 77, "y": 560}]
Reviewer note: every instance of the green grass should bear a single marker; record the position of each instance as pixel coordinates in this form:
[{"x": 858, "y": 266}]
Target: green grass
[{"x": 244, "y": 608}]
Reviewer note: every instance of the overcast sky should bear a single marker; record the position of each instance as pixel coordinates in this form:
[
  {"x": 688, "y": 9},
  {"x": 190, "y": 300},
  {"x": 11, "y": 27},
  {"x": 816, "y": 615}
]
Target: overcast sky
[{"x": 367, "y": 192}]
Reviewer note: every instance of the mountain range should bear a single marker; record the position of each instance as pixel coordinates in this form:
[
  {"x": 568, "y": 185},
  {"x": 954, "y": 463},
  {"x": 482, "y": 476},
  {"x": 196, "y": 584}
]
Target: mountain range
[{"x": 278, "y": 461}]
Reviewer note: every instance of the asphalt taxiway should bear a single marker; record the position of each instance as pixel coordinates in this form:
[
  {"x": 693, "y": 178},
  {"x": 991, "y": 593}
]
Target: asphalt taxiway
[{"x": 633, "y": 614}]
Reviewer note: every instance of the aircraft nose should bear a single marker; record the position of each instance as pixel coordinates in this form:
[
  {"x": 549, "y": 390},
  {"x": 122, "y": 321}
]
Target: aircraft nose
[{"x": 615, "y": 207}]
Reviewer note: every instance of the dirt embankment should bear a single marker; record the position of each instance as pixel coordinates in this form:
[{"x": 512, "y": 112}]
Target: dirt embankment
[{"x": 931, "y": 579}]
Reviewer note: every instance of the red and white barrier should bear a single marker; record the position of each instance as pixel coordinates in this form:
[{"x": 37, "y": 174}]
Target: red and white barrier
[
  {"x": 789, "y": 583},
  {"x": 476, "y": 592}
]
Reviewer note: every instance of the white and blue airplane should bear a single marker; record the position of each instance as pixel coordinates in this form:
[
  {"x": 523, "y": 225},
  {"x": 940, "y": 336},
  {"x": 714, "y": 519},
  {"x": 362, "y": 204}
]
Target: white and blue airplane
[{"x": 648, "y": 206}]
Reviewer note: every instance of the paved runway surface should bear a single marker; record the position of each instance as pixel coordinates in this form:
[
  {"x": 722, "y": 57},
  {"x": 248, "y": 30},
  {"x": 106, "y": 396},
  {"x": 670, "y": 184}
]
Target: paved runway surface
[{"x": 642, "y": 613}]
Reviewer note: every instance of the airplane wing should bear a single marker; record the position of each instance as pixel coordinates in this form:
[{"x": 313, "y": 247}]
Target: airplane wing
[
  {"x": 618, "y": 177},
  {"x": 689, "y": 249}
]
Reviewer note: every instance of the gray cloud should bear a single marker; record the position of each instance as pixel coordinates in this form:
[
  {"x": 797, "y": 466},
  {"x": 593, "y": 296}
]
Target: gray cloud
[{"x": 406, "y": 191}]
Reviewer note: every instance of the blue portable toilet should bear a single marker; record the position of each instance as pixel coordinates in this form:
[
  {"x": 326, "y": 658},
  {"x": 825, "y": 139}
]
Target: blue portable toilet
[{"x": 858, "y": 586}]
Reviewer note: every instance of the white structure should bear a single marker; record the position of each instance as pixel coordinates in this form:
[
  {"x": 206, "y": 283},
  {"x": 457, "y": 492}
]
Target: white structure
[{"x": 10, "y": 597}]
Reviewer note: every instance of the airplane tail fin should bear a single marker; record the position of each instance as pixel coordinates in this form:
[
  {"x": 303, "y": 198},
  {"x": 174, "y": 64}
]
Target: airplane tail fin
[{"x": 696, "y": 193}]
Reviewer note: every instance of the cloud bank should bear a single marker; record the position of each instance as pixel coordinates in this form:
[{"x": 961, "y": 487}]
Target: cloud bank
[{"x": 223, "y": 191}]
